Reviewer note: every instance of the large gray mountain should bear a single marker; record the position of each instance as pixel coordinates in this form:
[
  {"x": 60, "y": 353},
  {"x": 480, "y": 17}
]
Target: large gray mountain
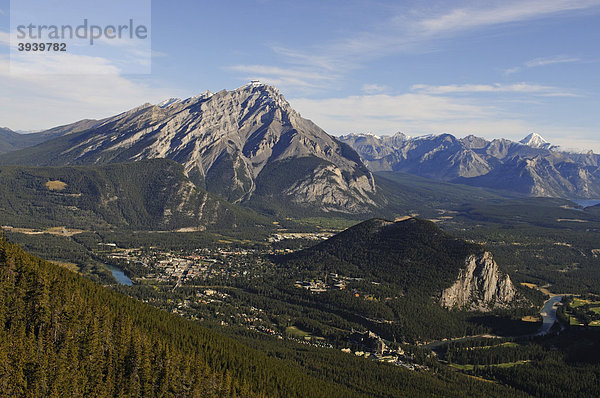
[
  {"x": 532, "y": 166},
  {"x": 247, "y": 145}
]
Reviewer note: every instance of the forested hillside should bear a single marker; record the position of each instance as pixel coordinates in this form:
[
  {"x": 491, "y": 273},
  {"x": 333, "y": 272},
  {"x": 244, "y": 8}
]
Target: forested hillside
[{"x": 149, "y": 195}]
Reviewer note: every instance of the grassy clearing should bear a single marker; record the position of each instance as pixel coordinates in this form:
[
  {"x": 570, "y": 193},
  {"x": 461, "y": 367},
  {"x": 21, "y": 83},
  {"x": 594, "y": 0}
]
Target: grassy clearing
[
  {"x": 511, "y": 364},
  {"x": 529, "y": 285},
  {"x": 498, "y": 365},
  {"x": 56, "y": 185},
  {"x": 298, "y": 333},
  {"x": 577, "y": 302},
  {"x": 573, "y": 321},
  {"x": 543, "y": 289},
  {"x": 487, "y": 347},
  {"x": 70, "y": 266},
  {"x": 59, "y": 231}
]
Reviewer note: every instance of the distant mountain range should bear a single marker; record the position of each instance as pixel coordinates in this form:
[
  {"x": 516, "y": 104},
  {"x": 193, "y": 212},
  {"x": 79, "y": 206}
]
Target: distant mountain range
[
  {"x": 532, "y": 166},
  {"x": 247, "y": 145},
  {"x": 11, "y": 140}
]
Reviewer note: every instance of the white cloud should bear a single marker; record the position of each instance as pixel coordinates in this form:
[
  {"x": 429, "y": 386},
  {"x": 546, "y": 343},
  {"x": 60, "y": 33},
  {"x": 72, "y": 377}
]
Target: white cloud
[
  {"x": 42, "y": 90},
  {"x": 537, "y": 62},
  {"x": 373, "y": 88},
  {"x": 33, "y": 101},
  {"x": 522, "y": 88},
  {"x": 60, "y": 63},
  {"x": 511, "y": 71},
  {"x": 560, "y": 59},
  {"x": 158, "y": 54},
  {"x": 384, "y": 113}
]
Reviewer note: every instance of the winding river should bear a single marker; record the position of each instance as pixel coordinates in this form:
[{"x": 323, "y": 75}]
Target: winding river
[{"x": 548, "y": 314}]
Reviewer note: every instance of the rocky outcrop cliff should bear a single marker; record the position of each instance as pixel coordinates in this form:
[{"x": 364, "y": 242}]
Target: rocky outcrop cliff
[{"x": 480, "y": 286}]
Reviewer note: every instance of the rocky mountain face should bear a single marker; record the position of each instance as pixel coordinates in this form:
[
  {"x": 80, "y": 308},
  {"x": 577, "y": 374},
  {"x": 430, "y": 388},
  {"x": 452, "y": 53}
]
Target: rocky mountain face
[
  {"x": 247, "y": 145},
  {"x": 532, "y": 166},
  {"x": 480, "y": 286}
]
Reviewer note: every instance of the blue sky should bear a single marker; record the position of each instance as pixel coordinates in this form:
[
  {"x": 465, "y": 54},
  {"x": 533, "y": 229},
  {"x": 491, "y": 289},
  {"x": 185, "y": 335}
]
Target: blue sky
[{"x": 489, "y": 68}]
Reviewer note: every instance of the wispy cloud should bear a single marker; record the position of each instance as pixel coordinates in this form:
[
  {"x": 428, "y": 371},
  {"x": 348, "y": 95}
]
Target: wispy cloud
[
  {"x": 414, "y": 30},
  {"x": 560, "y": 59},
  {"x": 418, "y": 114},
  {"x": 511, "y": 71},
  {"x": 538, "y": 62},
  {"x": 522, "y": 88},
  {"x": 158, "y": 54},
  {"x": 499, "y": 13},
  {"x": 380, "y": 112}
]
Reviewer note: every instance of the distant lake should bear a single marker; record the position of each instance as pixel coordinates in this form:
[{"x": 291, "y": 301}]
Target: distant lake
[
  {"x": 119, "y": 275},
  {"x": 586, "y": 202}
]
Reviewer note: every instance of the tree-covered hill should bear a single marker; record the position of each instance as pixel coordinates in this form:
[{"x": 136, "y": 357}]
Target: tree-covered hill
[
  {"x": 413, "y": 254},
  {"x": 148, "y": 195},
  {"x": 397, "y": 278}
]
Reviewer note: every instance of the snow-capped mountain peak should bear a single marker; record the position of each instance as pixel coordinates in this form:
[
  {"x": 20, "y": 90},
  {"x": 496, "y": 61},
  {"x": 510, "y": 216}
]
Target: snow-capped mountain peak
[{"x": 535, "y": 141}]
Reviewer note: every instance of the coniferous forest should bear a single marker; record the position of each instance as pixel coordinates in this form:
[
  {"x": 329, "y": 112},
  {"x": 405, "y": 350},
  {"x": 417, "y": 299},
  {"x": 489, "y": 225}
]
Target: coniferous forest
[{"x": 63, "y": 335}]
